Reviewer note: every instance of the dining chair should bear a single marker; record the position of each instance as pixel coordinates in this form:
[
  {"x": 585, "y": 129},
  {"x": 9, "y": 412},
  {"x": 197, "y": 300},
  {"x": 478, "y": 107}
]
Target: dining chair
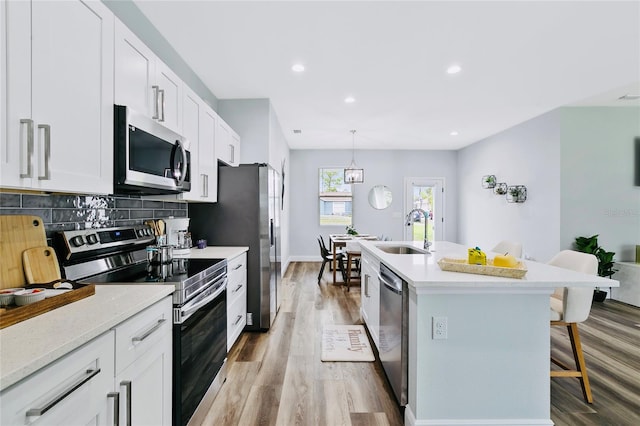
[
  {"x": 327, "y": 257},
  {"x": 570, "y": 306},
  {"x": 514, "y": 249},
  {"x": 354, "y": 253}
]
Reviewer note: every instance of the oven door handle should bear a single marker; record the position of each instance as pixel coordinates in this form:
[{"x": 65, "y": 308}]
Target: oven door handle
[{"x": 190, "y": 308}]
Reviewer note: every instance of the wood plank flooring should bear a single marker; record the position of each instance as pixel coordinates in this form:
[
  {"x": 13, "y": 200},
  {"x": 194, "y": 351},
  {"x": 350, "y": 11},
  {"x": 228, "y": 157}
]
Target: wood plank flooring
[{"x": 277, "y": 378}]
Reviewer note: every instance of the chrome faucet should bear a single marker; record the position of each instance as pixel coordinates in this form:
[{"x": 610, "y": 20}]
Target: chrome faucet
[{"x": 426, "y": 244}]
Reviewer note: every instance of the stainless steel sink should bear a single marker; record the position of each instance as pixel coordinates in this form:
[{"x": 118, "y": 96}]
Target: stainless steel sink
[{"x": 400, "y": 249}]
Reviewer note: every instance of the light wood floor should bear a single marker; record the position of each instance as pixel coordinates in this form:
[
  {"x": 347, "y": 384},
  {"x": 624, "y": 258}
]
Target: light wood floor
[{"x": 277, "y": 378}]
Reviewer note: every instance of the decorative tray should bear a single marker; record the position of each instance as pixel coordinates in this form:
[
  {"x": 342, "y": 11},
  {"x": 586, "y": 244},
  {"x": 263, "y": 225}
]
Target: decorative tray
[
  {"x": 461, "y": 265},
  {"x": 13, "y": 314}
]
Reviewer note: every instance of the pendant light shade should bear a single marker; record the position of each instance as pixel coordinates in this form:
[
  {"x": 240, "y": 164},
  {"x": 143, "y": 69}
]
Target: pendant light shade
[{"x": 353, "y": 174}]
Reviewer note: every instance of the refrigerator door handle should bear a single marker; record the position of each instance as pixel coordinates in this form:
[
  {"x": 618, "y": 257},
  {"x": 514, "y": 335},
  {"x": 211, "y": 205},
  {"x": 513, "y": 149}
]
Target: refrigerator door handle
[{"x": 271, "y": 231}]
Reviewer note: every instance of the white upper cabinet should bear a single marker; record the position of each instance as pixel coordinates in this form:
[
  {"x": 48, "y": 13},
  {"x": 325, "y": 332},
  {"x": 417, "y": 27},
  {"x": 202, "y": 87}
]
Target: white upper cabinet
[
  {"x": 227, "y": 143},
  {"x": 198, "y": 126},
  {"x": 59, "y": 96},
  {"x": 208, "y": 163},
  {"x": 145, "y": 83}
]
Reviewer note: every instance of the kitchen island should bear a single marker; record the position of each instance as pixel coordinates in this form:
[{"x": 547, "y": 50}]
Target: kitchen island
[{"x": 492, "y": 366}]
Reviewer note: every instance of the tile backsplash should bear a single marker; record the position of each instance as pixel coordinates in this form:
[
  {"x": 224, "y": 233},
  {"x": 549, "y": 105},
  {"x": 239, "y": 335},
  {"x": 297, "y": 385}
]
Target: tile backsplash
[{"x": 75, "y": 211}]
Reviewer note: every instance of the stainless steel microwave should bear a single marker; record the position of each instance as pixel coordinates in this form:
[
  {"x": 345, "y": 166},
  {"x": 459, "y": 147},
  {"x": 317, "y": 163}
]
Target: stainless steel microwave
[{"x": 149, "y": 158}]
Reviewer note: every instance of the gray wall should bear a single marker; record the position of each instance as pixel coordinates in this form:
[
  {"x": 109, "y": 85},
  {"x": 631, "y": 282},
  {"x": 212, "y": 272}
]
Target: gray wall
[
  {"x": 598, "y": 195},
  {"x": 527, "y": 154},
  {"x": 577, "y": 163},
  {"x": 380, "y": 167},
  {"x": 132, "y": 17}
]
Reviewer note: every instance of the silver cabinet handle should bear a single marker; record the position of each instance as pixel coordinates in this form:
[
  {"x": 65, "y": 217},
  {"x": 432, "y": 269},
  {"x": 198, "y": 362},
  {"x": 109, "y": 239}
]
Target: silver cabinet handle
[
  {"x": 161, "y": 119},
  {"x": 366, "y": 285},
  {"x": 29, "y": 141},
  {"x": 149, "y": 332},
  {"x": 156, "y": 113},
  {"x": 47, "y": 151},
  {"x": 237, "y": 288},
  {"x": 205, "y": 185},
  {"x": 127, "y": 384},
  {"x": 35, "y": 412},
  {"x": 232, "y": 153},
  {"x": 237, "y": 320},
  {"x": 237, "y": 267},
  {"x": 116, "y": 407}
]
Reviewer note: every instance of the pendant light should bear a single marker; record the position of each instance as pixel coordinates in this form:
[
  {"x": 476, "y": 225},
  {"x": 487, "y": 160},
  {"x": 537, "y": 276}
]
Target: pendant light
[{"x": 353, "y": 174}]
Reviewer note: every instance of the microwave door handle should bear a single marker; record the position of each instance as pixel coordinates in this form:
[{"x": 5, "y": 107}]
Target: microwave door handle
[{"x": 183, "y": 167}]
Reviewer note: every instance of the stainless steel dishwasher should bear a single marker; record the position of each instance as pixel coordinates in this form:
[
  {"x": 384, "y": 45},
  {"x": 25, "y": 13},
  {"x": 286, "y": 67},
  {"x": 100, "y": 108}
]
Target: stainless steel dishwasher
[{"x": 394, "y": 331}]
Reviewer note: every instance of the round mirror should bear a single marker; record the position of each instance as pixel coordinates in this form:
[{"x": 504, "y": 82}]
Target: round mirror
[{"x": 380, "y": 197}]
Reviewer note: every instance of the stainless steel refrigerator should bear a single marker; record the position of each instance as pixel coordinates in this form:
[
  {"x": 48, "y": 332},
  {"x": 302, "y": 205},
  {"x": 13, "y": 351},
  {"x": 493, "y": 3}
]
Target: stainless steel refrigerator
[{"x": 247, "y": 214}]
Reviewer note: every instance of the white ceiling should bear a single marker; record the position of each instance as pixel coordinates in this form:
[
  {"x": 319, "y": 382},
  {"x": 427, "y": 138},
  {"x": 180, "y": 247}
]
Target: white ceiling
[{"x": 519, "y": 60}]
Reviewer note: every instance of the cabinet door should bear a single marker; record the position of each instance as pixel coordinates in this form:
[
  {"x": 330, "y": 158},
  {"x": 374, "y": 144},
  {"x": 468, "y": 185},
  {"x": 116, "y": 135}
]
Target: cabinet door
[
  {"x": 170, "y": 96},
  {"x": 371, "y": 296},
  {"x": 191, "y": 130},
  {"x": 145, "y": 387},
  {"x": 208, "y": 161},
  {"x": 235, "y": 148},
  {"x": 72, "y": 57},
  {"x": 61, "y": 96},
  {"x": 134, "y": 72},
  {"x": 226, "y": 149}
]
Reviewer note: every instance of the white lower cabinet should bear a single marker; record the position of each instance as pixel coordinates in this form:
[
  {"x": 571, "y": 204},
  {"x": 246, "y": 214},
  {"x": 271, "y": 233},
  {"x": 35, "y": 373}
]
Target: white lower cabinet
[
  {"x": 144, "y": 365},
  {"x": 126, "y": 371},
  {"x": 236, "y": 298},
  {"x": 370, "y": 298},
  {"x": 70, "y": 391}
]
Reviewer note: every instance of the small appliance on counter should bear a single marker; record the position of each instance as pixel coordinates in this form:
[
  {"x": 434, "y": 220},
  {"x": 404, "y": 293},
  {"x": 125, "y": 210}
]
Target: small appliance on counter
[{"x": 178, "y": 235}]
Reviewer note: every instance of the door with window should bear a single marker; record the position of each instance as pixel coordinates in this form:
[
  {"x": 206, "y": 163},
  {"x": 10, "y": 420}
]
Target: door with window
[{"x": 426, "y": 194}]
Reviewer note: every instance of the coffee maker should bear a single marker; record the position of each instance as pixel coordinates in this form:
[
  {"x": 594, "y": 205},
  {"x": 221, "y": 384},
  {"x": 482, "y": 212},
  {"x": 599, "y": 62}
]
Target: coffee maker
[{"x": 178, "y": 234}]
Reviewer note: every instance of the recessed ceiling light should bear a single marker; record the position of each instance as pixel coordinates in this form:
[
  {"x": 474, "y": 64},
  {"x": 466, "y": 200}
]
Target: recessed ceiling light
[
  {"x": 454, "y": 133},
  {"x": 454, "y": 69},
  {"x": 297, "y": 68},
  {"x": 349, "y": 99}
]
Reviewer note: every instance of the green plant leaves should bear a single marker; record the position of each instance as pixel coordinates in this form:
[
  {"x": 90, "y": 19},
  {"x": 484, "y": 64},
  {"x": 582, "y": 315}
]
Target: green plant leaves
[{"x": 605, "y": 258}]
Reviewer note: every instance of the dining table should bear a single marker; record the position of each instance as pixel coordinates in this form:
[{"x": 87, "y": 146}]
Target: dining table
[{"x": 338, "y": 241}]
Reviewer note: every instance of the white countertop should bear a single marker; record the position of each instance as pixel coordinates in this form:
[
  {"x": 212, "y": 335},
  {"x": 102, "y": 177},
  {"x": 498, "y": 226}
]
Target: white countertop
[
  {"x": 32, "y": 344},
  {"x": 422, "y": 270},
  {"x": 29, "y": 345},
  {"x": 214, "y": 252}
]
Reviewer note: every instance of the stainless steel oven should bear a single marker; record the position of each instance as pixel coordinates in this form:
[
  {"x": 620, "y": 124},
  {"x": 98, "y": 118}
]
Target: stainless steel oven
[{"x": 199, "y": 305}]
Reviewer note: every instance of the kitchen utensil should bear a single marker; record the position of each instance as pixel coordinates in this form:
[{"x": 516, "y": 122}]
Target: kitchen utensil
[
  {"x": 161, "y": 226},
  {"x": 40, "y": 265},
  {"x": 160, "y": 254},
  {"x": 18, "y": 233},
  {"x": 152, "y": 225}
]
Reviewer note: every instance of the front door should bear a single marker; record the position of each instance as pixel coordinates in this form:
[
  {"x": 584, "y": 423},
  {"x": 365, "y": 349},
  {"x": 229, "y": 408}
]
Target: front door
[{"x": 426, "y": 194}]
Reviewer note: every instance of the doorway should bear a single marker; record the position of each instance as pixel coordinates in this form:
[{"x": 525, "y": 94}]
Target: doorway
[{"x": 426, "y": 194}]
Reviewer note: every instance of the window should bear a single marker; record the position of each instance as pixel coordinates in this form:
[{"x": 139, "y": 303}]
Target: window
[{"x": 335, "y": 198}]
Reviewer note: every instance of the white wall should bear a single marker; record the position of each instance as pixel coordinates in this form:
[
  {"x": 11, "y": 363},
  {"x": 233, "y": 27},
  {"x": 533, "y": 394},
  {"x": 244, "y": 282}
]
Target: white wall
[
  {"x": 381, "y": 167},
  {"x": 597, "y": 165},
  {"x": 527, "y": 154}
]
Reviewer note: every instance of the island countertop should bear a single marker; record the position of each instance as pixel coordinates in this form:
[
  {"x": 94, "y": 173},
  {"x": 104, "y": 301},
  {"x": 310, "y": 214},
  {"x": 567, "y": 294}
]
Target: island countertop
[{"x": 422, "y": 270}]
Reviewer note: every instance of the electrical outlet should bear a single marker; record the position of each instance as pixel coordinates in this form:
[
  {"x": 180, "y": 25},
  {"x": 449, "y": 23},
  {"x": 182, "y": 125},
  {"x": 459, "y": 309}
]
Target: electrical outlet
[
  {"x": 249, "y": 318},
  {"x": 439, "y": 327}
]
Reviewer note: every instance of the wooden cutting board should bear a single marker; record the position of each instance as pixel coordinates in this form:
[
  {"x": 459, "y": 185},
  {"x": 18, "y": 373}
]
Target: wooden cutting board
[
  {"x": 40, "y": 265},
  {"x": 17, "y": 234}
]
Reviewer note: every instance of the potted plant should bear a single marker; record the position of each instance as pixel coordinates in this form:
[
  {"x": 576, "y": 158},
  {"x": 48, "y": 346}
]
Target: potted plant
[
  {"x": 605, "y": 261},
  {"x": 351, "y": 230}
]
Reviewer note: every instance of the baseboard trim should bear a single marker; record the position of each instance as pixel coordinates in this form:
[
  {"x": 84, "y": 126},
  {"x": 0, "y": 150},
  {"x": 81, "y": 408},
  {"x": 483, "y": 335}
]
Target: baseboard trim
[
  {"x": 410, "y": 420},
  {"x": 305, "y": 259}
]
